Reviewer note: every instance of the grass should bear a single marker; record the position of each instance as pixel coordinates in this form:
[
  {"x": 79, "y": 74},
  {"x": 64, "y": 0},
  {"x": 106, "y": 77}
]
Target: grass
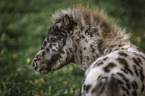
[{"x": 23, "y": 26}]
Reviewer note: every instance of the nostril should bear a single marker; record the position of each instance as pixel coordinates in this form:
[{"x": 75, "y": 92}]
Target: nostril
[{"x": 33, "y": 64}]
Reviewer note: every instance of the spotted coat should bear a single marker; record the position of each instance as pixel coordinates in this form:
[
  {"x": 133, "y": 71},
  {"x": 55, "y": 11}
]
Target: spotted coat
[
  {"x": 113, "y": 65},
  {"x": 121, "y": 71}
]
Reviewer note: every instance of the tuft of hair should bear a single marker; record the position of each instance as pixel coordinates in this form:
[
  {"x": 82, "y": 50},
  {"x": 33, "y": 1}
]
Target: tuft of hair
[
  {"x": 109, "y": 32},
  {"x": 112, "y": 87},
  {"x": 107, "y": 87}
]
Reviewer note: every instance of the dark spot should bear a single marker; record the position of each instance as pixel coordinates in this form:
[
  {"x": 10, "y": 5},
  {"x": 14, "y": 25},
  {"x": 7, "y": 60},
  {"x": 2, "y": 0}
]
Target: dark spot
[
  {"x": 85, "y": 48},
  {"x": 134, "y": 93},
  {"x": 126, "y": 90},
  {"x": 142, "y": 89},
  {"x": 140, "y": 50},
  {"x": 136, "y": 71},
  {"x": 47, "y": 49},
  {"x": 53, "y": 50},
  {"x": 101, "y": 63},
  {"x": 88, "y": 58},
  {"x": 42, "y": 48},
  {"x": 109, "y": 66},
  {"x": 124, "y": 71},
  {"x": 64, "y": 42},
  {"x": 86, "y": 41},
  {"x": 54, "y": 44},
  {"x": 105, "y": 58},
  {"x": 93, "y": 57},
  {"x": 48, "y": 39},
  {"x": 91, "y": 35},
  {"x": 123, "y": 62},
  {"x": 113, "y": 46},
  {"x": 78, "y": 40},
  {"x": 79, "y": 33},
  {"x": 86, "y": 32},
  {"x": 72, "y": 37},
  {"x": 122, "y": 54},
  {"x": 87, "y": 88},
  {"x": 139, "y": 55},
  {"x": 127, "y": 69},
  {"x": 81, "y": 59},
  {"x": 122, "y": 48},
  {"x": 50, "y": 46},
  {"x": 120, "y": 45},
  {"x": 81, "y": 28},
  {"x": 100, "y": 76},
  {"x": 45, "y": 43},
  {"x": 93, "y": 50},
  {"x": 124, "y": 77},
  {"x": 95, "y": 89},
  {"x": 67, "y": 53},
  {"x": 62, "y": 52},
  {"x": 100, "y": 44},
  {"x": 81, "y": 56},
  {"x": 120, "y": 82},
  {"x": 80, "y": 52},
  {"x": 141, "y": 75},
  {"x": 96, "y": 31},
  {"x": 128, "y": 85},
  {"x": 123, "y": 95},
  {"x": 70, "y": 50},
  {"x": 142, "y": 57},
  {"x": 53, "y": 60},
  {"x": 84, "y": 86},
  {"x": 115, "y": 49},
  {"x": 83, "y": 36},
  {"x": 135, "y": 61},
  {"x": 139, "y": 60},
  {"x": 97, "y": 55},
  {"x": 43, "y": 53},
  {"x": 75, "y": 48},
  {"x": 134, "y": 85}
]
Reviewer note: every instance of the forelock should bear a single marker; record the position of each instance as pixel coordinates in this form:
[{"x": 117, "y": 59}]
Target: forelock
[{"x": 58, "y": 16}]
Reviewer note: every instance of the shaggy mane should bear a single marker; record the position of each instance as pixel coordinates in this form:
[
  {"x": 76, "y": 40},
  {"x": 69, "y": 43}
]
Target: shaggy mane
[{"x": 85, "y": 17}]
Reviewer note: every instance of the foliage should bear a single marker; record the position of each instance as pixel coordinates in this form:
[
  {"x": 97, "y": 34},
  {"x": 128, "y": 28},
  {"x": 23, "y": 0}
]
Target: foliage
[
  {"x": 23, "y": 26},
  {"x": 130, "y": 14}
]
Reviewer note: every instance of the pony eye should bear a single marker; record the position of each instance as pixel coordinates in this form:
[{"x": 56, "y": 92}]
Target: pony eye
[{"x": 53, "y": 39}]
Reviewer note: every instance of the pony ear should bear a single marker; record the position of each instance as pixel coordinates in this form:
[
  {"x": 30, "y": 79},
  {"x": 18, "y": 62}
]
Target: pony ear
[{"x": 67, "y": 23}]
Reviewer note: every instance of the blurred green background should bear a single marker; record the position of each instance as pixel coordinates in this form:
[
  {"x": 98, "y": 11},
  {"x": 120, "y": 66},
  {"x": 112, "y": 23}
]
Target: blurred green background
[{"x": 23, "y": 26}]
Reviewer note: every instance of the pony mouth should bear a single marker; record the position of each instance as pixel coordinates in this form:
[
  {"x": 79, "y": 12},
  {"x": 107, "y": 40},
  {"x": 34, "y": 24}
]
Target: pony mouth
[
  {"x": 44, "y": 72},
  {"x": 45, "y": 69}
]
